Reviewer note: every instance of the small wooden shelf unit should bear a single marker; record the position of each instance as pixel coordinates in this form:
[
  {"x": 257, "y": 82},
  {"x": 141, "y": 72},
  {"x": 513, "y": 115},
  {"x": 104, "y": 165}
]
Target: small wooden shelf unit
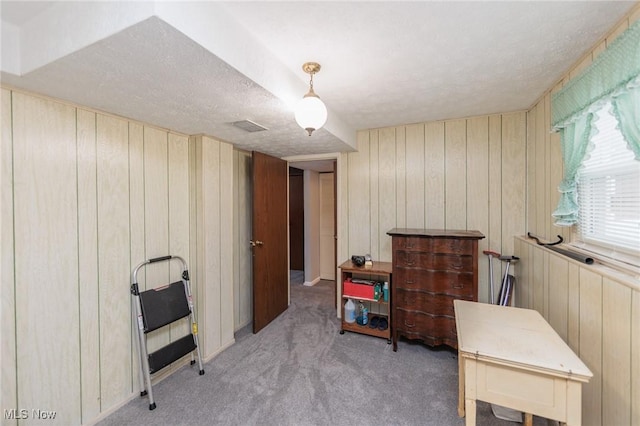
[{"x": 379, "y": 271}]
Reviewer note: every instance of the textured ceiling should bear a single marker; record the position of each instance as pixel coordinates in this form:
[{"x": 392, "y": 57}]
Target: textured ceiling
[
  {"x": 197, "y": 67},
  {"x": 177, "y": 85}
]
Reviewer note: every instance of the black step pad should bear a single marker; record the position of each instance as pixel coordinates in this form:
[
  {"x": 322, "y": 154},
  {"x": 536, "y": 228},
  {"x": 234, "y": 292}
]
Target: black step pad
[
  {"x": 163, "y": 305},
  {"x": 170, "y": 353}
]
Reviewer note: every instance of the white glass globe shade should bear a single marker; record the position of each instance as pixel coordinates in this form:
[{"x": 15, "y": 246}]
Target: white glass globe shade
[{"x": 311, "y": 113}]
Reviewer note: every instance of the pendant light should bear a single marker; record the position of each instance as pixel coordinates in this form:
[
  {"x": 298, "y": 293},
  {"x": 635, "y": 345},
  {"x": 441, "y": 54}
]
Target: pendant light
[{"x": 311, "y": 113}]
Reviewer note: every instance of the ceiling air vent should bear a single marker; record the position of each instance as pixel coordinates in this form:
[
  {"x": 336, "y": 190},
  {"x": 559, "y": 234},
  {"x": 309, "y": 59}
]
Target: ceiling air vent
[{"x": 249, "y": 126}]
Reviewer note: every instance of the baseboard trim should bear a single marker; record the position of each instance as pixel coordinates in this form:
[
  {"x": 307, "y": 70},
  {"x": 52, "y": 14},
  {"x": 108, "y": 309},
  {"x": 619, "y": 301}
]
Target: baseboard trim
[
  {"x": 219, "y": 351},
  {"x": 243, "y": 325},
  {"x": 312, "y": 283},
  {"x": 161, "y": 375}
]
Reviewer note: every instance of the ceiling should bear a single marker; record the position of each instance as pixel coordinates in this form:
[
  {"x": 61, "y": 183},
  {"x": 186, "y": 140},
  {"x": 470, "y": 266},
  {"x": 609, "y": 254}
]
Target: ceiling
[{"x": 197, "y": 67}]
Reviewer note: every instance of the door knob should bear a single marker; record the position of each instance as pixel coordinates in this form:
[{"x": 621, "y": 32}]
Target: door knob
[{"x": 255, "y": 243}]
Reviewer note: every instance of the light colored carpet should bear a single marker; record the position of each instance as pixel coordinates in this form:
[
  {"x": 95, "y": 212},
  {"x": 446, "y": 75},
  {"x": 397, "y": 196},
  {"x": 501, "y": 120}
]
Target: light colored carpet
[
  {"x": 300, "y": 371},
  {"x": 296, "y": 277}
]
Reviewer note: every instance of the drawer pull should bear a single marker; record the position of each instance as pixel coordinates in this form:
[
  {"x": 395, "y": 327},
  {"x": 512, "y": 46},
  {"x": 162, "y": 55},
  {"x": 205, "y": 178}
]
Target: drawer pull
[
  {"x": 457, "y": 286},
  {"x": 457, "y": 267},
  {"x": 410, "y": 325}
]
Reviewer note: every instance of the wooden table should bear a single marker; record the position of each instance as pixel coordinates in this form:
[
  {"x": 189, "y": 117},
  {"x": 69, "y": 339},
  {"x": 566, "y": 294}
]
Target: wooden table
[{"x": 512, "y": 357}]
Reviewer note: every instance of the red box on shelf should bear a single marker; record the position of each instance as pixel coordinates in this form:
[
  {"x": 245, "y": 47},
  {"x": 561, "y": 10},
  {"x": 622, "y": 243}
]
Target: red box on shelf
[{"x": 357, "y": 290}]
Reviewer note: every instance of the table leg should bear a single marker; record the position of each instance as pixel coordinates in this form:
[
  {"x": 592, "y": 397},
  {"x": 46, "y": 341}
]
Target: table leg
[
  {"x": 470, "y": 371},
  {"x": 460, "y": 386},
  {"x": 574, "y": 403},
  {"x": 528, "y": 419},
  {"x": 470, "y": 406}
]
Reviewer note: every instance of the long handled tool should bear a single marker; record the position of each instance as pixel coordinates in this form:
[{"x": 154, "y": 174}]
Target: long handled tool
[
  {"x": 508, "y": 281},
  {"x": 491, "y": 255}
]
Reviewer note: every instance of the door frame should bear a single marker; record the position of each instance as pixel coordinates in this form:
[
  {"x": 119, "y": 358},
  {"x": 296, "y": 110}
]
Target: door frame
[{"x": 337, "y": 157}]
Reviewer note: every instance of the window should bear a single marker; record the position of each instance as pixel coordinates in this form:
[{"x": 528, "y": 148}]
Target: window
[{"x": 609, "y": 194}]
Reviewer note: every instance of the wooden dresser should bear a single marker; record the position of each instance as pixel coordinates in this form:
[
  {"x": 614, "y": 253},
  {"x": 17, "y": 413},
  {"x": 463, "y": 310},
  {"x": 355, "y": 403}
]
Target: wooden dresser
[{"x": 431, "y": 268}]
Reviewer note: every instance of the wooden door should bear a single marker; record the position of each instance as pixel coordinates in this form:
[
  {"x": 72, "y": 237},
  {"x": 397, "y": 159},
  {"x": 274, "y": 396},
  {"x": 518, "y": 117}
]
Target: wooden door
[
  {"x": 296, "y": 219},
  {"x": 270, "y": 258}
]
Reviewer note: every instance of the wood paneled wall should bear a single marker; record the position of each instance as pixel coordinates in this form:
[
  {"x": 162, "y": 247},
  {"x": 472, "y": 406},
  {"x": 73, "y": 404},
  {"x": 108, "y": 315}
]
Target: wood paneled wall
[
  {"x": 595, "y": 310},
  {"x": 212, "y": 236},
  {"x": 85, "y": 197},
  {"x": 598, "y": 314},
  {"x": 456, "y": 174}
]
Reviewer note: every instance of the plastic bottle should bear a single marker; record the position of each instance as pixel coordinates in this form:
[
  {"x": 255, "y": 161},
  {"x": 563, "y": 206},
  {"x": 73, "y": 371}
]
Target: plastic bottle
[
  {"x": 377, "y": 291},
  {"x": 361, "y": 319},
  {"x": 385, "y": 291},
  {"x": 349, "y": 311},
  {"x": 365, "y": 315}
]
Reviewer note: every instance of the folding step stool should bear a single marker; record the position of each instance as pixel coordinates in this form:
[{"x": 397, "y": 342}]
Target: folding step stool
[{"x": 156, "y": 308}]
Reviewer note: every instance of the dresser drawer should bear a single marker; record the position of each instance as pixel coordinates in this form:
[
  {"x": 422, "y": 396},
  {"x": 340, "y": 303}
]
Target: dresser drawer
[
  {"x": 447, "y": 262},
  {"x": 412, "y": 243},
  {"x": 414, "y": 324},
  {"x": 458, "y": 284},
  {"x": 425, "y": 302},
  {"x": 452, "y": 246}
]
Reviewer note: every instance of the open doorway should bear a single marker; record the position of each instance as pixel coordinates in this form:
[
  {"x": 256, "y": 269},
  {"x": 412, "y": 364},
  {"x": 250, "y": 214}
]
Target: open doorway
[
  {"x": 318, "y": 216},
  {"x": 242, "y": 229}
]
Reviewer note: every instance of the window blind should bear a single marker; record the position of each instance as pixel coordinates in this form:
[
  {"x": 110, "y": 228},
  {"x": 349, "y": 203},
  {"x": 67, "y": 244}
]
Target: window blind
[{"x": 609, "y": 192}]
